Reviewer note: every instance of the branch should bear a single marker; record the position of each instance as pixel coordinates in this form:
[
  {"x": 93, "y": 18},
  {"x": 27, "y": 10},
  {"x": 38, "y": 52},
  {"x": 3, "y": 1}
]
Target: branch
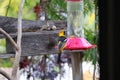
[
  {"x": 8, "y": 8},
  {"x": 5, "y": 74},
  {"x": 9, "y": 37},
  {"x": 18, "y": 52}
]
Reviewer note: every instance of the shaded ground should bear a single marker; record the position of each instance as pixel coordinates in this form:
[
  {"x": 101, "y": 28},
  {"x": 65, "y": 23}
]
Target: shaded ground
[{"x": 87, "y": 72}]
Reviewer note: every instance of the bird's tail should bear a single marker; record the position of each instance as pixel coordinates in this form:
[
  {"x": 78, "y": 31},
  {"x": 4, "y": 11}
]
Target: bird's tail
[{"x": 59, "y": 57}]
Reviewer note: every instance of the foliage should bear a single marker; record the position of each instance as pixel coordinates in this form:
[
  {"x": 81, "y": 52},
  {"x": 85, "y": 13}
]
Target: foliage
[
  {"x": 91, "y": 36},
  {"x": 55, "y": 10},
  {"x": 89, "y": 5},
  {"x": 6, "y": 62},
  {"x": 2, "y": 45},
  {"x": 28, "y": 9},
  {"x": 2, "y": 42},
  {"x": 2, "y": 49},
  {"x": 14, "y": 7}
]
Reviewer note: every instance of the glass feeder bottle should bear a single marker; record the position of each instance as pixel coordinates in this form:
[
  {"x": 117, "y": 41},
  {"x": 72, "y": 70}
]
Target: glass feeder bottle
[{"x": 75, "y": 18}]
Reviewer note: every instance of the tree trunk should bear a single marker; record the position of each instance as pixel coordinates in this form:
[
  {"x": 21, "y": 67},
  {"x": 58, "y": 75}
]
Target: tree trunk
[{"x": 19, "y": 37}]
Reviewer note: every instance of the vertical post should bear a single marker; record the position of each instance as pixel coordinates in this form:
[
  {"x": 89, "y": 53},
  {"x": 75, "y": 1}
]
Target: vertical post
[
  {"x": 75, "y": 27},
  {"x": 77, "y": 65}
]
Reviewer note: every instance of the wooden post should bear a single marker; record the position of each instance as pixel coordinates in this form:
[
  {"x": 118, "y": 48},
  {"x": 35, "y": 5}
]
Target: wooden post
[
  {"x": 77, "y": 65},
  {"x": 75, "y": 27}
]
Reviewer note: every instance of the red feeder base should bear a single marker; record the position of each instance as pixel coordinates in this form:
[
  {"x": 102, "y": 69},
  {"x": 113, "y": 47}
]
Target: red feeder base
[{"x": 76, "y": 43}]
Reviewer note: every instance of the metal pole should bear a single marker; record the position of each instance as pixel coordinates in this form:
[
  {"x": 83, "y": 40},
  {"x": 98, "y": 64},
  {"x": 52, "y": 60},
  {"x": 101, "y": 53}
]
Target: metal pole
[{"x": 77, "y": 65}]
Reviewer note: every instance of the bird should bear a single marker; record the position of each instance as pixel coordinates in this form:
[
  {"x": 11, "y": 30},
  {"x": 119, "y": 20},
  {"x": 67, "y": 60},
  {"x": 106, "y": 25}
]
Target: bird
[{"x": 61, "y": 44}]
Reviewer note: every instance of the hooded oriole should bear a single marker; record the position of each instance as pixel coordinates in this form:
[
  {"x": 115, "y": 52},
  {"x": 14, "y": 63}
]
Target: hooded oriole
[{"x": 61, "y": 43}]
